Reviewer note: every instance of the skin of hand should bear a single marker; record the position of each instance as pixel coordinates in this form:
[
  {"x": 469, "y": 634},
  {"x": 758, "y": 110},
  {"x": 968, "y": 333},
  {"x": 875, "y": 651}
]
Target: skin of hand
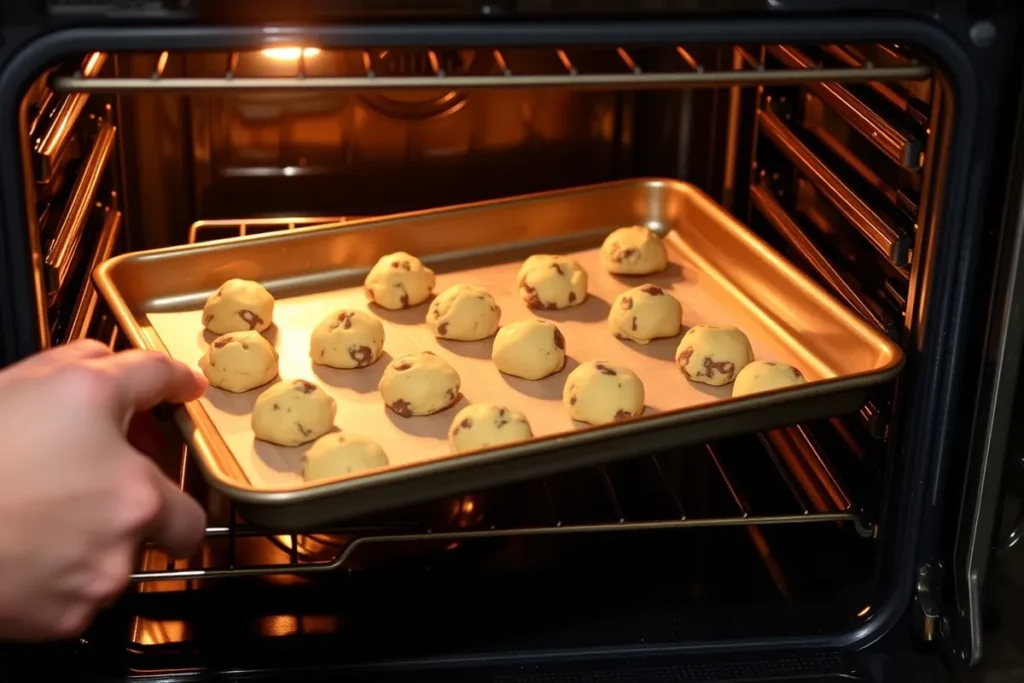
[{"x": 76, "y": 498}]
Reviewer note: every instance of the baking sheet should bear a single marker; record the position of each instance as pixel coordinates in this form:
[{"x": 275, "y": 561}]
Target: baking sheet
[
  {"x": 720, "y": 271},
  {"x": 409, "y": 441}
]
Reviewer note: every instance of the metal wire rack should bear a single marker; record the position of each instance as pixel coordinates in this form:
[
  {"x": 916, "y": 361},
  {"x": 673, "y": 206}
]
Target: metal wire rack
[
  {"x": 778, "y": 477},
  {"x": 310, "y": 68}
]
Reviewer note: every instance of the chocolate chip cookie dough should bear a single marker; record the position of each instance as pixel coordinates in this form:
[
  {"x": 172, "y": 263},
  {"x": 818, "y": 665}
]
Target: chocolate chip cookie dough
[
  {"x": 763, "y": 375},
  {"x": 531, "y": 349},
  {"x": 711, "y": 354},
  {"x": 292, "y": 413},
  {"x": 601, "y": 392},
  {"x": 634, "y": 250},
  {"x": 398, "y": 281},
  {"x": 549, "y": 281},
  {"x": 239, "y": 361},
  {"x": 644, "y": 313},
  {"x": 464, "y": 313},
  {"x": 483, "y": 425},
  {"x": 347, "y": 339},
  {"x": 339, "y": 454},
  {"x": 419, "y": 384},
  {"x": 237, "y": 306}
]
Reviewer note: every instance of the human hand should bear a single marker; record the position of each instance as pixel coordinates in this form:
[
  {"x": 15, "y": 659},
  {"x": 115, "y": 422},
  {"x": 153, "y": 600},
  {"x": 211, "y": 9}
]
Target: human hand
[{"x": 75, "y": 497}]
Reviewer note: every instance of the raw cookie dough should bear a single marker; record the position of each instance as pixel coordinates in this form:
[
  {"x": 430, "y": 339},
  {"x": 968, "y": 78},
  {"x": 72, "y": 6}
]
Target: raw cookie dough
[
  {"x": 644, "y": 313},
  {"x": 531, "y": 349},
  {"x": 237, "y": 306},
  {"x": 347, "y": 339},
  {"x": 419, "y": 384},
  {"x": 764, "y": 375},
  {"x": 633, "y": 251},
  {"x": 482, "y": 425},
  {"x": 710, "y": 354},
  {"x": 552, "y": 282},
  {"x": 293, "y": 413},
  {"x": 398, "y": 280},
  {"x": 464, "y": 313},
  {"x": 600, "y": 392},
  {"x": 335, "y": 455},
  {"x": 239, "y": 361}
]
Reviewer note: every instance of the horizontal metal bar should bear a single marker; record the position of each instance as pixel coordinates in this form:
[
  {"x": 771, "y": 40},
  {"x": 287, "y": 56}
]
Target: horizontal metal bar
[
  {"x": 903, "y": 150},
  {"x": 883, "y": 237},
  {"x": 338, "y": 562},
  {"x": 633, "y": 80}
]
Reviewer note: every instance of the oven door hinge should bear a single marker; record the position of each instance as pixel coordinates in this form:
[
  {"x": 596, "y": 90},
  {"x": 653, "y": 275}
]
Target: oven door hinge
[{"x": 926, "y": 603}]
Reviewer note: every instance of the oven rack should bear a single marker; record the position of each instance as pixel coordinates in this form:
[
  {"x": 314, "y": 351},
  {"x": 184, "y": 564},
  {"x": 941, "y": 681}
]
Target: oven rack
[
  {"x": 788, "y": 461},
  {"x": 310, "y": 68}
]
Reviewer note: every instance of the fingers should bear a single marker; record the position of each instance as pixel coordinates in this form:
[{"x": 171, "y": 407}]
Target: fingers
[
  {"x": 143, "y": 379},
  {"x": 180, "y": 525}
]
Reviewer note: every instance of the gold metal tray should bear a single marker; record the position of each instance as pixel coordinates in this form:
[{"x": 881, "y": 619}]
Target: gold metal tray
[{"x": 719, "y": 270}]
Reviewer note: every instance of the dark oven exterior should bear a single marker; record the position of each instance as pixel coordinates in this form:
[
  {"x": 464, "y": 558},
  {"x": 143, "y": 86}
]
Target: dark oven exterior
[{"x": 965, "y": 346}]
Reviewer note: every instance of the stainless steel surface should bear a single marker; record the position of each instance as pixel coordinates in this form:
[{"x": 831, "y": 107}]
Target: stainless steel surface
[
  {"x": 88, "y": 298},
  {"x": 331, "y": 549},
  {"x": 354, "y": 71},
  {"x": 63, "y": 251},
  {"x": 763, "y": 200},
  {"x": 892, "y": 245},
  {"x": 897, "y": 145},
  {"x": 841, "y": 346},
  {"x": 51, "y": 144}
]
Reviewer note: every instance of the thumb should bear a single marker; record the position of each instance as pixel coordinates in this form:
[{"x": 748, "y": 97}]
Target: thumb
[{"x": 144, "y": 379}]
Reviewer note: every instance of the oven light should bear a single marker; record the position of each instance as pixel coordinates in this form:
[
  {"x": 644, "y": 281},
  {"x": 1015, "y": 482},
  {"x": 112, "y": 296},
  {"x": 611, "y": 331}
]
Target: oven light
[{"x": 290, "y": 54}]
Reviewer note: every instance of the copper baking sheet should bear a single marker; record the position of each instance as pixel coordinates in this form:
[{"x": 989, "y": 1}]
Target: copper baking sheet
[{"x": 719, "y": 271}]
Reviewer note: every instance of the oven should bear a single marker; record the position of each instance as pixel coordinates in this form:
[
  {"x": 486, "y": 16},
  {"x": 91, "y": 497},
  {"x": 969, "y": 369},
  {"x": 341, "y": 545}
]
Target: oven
[{"x": 876, "y": 148}]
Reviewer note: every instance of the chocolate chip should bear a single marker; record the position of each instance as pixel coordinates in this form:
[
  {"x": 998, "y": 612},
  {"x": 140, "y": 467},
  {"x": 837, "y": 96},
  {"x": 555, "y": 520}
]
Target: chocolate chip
[
  {"x": 304, "y": 386},
  {"x": 558, "y": 267},
  {"x": 437, "y": 312},
  {"x": 572, "y": 297},
  {"x": 222, "y": 342},
  {"x": 406, "y": 266},
  {"x": 466, "y": 424},
  {"x": 442, "y": 329},
  {"x": 605, "y": 370},
  {"x": 250, "y": 318},
  {"x": 404, "y": 298},
  {"x": 346, "y": 319},
  {"x": 277, "y": 407},
  {"x": 572, "y": 398},
  {"x": 529, "y": 295},
  {"x": 404, "y": 365},
  {"x": 502, "y": 418},
  {"x": 303, "y": 430},
  {"x": 796, "y": 373},
  {"x": 684, "y": 359},
  {"x": 559, "y": 340},
  {"x": 362, "y": 355},
  {"x": 626, "y": 303},
  {"x": 653, "y": 290},
  {"x": 623, "y": 415},
  {"x": 628, "y": 254},
  {"x": 725, "y": 367},
  {"x": 395, "y": 264},
  {"x": 452, "y": 395},
  {"x": 402, "y": 407},
  {"x": 634, "y": 323}
]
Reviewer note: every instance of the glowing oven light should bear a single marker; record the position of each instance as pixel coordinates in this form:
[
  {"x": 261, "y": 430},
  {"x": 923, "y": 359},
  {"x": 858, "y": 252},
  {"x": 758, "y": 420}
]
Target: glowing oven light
[{"x": 290, "y": 54}]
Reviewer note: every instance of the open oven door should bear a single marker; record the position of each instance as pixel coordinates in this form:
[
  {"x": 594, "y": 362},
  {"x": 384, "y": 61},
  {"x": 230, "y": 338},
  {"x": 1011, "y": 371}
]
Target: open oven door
[{"x": 978, "y": 611}]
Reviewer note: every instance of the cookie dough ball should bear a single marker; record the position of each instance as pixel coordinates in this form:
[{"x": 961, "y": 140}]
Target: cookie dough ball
[
  {"x": 399, "y": 280},
  {"x": 644, "y": 313},
  {"x": 765, "y": 376},
  {"x": 531, "y": 349},
  {"x": 419, "y": 384},
  {"x": 337, "y": 455},
  {"x": 483, "y": 425},
  {"x": 293, "y": 413},
  {"x": 237, "y": 306},
  {"x": 633, "y": 251},
  {"x": 347, "y": 339},
  {"x": 600, "y": 392},
  {"x": 464, "y": 313},
  {"x": 239, "y": 361},
  {"x": 710, "y": 354},
  {"x": 551, "y": 282}
]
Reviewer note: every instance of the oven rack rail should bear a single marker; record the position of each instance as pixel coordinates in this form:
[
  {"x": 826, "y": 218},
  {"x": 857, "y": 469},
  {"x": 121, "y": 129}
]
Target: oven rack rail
[
  {"x": 794, "y": 462},
  {"x": 309, "y": 68}
]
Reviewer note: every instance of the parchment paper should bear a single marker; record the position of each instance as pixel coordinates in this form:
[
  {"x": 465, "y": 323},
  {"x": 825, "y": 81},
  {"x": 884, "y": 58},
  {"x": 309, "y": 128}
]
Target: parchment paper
[{"x": 418, "y": 439}]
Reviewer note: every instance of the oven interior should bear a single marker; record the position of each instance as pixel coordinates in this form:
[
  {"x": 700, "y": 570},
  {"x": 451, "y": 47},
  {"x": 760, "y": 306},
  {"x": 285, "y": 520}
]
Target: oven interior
[{"x": 781, "y": 533}]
